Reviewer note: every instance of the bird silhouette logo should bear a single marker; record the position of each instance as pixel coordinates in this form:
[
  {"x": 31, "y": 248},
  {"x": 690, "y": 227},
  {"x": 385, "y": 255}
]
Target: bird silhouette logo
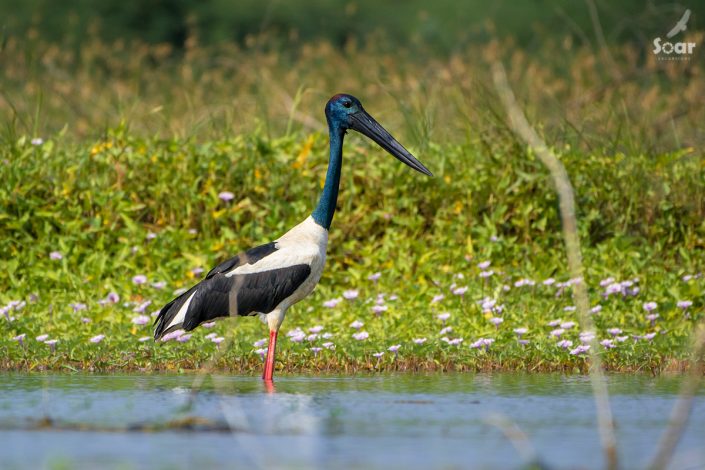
[{"x": 680, "y": 26}]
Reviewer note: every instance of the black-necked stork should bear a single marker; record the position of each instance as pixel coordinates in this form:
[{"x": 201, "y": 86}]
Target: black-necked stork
[{"x": 268, "y": 279}]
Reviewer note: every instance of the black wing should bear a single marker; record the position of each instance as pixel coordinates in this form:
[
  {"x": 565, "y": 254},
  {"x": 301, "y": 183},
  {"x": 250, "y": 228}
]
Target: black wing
[
  {"x": 240, "y": 294},
  {"x": 251, "y": 256}
]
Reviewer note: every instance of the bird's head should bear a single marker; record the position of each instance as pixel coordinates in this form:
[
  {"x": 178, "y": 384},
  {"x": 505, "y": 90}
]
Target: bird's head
[{"x": 345, "y": 112}]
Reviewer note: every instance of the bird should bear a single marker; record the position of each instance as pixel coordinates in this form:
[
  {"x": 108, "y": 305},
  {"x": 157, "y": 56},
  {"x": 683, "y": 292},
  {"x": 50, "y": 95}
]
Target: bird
[
  {"x": 680, "y": 26},
  {"x": 268, "y": 279}
]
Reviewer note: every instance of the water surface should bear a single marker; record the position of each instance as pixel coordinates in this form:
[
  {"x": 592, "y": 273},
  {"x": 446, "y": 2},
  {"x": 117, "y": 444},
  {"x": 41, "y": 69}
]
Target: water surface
[{"x": 380, "y": 421}]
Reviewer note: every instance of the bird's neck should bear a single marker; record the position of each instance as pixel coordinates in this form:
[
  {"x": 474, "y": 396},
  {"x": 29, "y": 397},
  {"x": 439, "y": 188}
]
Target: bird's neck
[{"x": 323, "y": 213}]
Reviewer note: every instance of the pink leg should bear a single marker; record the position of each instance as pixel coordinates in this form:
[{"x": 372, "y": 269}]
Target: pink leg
[{"x": 269, "y": 363}]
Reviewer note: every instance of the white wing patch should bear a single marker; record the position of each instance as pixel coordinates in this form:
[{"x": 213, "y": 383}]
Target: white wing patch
[{"x": 179, "y": 318}]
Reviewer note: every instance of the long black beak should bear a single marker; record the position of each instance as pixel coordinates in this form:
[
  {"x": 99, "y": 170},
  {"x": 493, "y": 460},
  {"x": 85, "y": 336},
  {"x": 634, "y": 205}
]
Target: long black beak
[{"x": 365, "y": 124}]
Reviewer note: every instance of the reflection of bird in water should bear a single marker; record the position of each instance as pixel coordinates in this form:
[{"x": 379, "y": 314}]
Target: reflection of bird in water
[{"x": 680, "y": 26}]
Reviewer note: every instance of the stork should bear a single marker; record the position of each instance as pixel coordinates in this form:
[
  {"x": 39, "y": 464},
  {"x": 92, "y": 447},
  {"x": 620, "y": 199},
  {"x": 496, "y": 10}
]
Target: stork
[{"x": 270, "y": 278}]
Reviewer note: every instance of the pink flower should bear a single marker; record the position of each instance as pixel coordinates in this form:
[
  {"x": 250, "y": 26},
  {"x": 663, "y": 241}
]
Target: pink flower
[
  {"x": 260, "y": 343},
  {"x": 379, "y": 355},
  {"x": 159, "y": 285},
  {"x": 151, "y": 236},
  {"x": 485, "y": 274},
  {"x": 582, "y": 349},
  {"x": 357, "y": 324},
  {"x": 328, "y": 345},
  {"x": 97, "y": 339},
  {"x": 650, "y": 306},
  {"x": 351, "y": 294},
  {"x": 596, "y": 309},
  {"x": 460, "y": 291},
  {"x": 394, "y": 348},
  {"x": 55, "y": 255},
  {"x": 419, "y": 340},
  {"x": 361, "y": 336},
  {"x": 141, "y": 320},
  {"x": 377, "y": 309},
  {"x": 567, "y": 325},
  {"x": 484, "y": 265},
  {"x": 482, "y": 343},
  {"x": 139, "y": 279},
  {"x": 374, "y": 277},
  {"x": 316, "y": 350},
  {"x": 315, "y": 329},
  {"x": 437, "y": 298},
  {"x": 332, "y": 303},
  {"x": 443, "y": 316},
  {"x": 42, "y": 338},
  {"x": 173, "y": 335},
  {"x": 142, "y": 307},
  {"x": 219, "y": 339},
  {"x": 208, "y": 324},
  {"x": 520, "y": 331},
  {"x": 262, "y": 352},
  {"x": 614, "y": 331},
  {"x": 183, "y": 338},
  {"x": 557, "y": 332},
  {"x": 564, "y": 343},
  {"x": 226, "y": 196},
  {"x": 496, "y": 321},
  {"x": 607, "y": 343}
]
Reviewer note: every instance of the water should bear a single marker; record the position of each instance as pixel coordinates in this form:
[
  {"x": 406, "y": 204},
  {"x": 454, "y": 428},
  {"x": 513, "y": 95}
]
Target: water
[{"x": 380, "y": 421}]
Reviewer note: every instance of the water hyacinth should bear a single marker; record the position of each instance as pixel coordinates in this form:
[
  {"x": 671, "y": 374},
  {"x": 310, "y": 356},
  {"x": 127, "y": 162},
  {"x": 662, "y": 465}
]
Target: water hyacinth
[
  {"x": 650, "y": 306},
  {"x": 553, "y": 323},
  {"x": 378, "y": 309},
  {"x": 378, "y": 355},
  {"x": 549, "y": 282},
  {"x": 151, "y": 236},
  {"x": 141, "y": 320},
  {"x": 556, "y": 333},
  {"x": 312, "y": 337},
  {"x": 486, "y": 274},
  {"x": 484, "y": 265},
  {"x": 582, "y": 349},
  {"x": 139, "y": 279},
  {"x": 262, "y": 352},
  {"x": 159, "y": 285},
  {"x": 52, "y": 344},
  {"x": 652, "y": 318},
  {"x": 85, "y": 320},
  {"x": 37, "y": 141},
  {"x": 260, "y": 343},
  {"x": 332, "y": 303},
  {"x": 443, "y": 317},
  {"x": 437, "y": 298},
  {"x": 20, "y": 339},
  {"x": 419, "y": 340},
  {"x": 351, "y": 294},
  {"x": 357, "y": 324},
  {"x": 112, "y": 297},
  {"x": 197, "y": 271},
  {"x": 226, "y": 196},
  {"x": 445, "y": 330},
  {"x": 142, "y": 307},
  {"x": 564, "y": 343},
  {"x": 496, "y": 321},
  {"x": 218, "y": 339},
  {"x": 374, "y": 277},
  {"x": 42, "y": 338},
  {"x": 460, "y": 291},
  {"x": 452, "y": 342},
  {"x": 208, "y": 324},
  {"x": 78, "y": 306},
  {"x": 520, "y": 331},
  {"x": 361, "y": 336},
  {"x": 586, "y": 336},
  {"x": 569, "y": 308},
  {"x": 482, "y": 343},
  {"x": 614, "y": 331},
  {"x": 596, "y": 309},
  {"x": 315, "y": 329},
  {"x": 567, "y": 325},
  {"x": 316, "y": 350},
  {"x": 394, "y": 348},
  {"x": 328, "y": 345},
  {"x": 56, "y": 255},
  {"x": 97, "y": 339},
  {"x": 183, "y": 338},
  {"x": 607, "y": 343},
  {"x": 684, "y": 304},
  {"x": 173, "y": 335}
]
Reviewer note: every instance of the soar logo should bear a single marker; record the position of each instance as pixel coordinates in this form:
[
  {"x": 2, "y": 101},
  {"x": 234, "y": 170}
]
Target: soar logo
[{"x": 666, "y": 50}]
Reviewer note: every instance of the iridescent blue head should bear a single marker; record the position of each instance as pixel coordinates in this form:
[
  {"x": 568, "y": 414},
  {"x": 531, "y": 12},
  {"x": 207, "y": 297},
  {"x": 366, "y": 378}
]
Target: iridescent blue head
[{"x": 345, "y": 112}]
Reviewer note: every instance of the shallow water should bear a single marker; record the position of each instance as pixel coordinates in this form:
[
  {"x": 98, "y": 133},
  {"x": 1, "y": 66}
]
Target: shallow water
[{"x": 381, "y": 421}]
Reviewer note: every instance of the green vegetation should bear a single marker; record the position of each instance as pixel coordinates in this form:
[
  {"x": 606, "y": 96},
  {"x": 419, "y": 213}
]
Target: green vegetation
[{"x": 137, "y": 143}]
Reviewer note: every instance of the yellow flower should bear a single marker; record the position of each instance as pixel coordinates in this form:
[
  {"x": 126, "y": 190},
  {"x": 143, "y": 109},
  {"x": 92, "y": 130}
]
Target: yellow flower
[{"x": 304, "y": 153}]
